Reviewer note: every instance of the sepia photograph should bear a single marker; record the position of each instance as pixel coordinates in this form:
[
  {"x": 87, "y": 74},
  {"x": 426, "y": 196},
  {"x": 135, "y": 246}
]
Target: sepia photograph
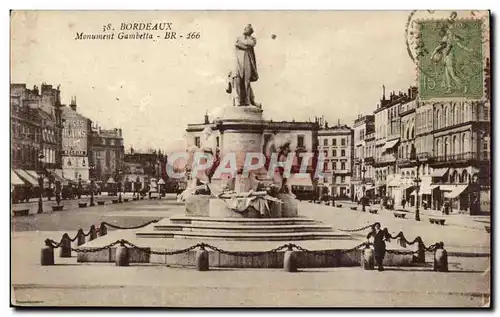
[{"x": 250, "y": 159}]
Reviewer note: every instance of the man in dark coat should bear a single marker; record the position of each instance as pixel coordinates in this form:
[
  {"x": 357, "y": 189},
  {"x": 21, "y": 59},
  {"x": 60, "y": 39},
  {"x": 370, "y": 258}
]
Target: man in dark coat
[{"x": 379, "y": 238}]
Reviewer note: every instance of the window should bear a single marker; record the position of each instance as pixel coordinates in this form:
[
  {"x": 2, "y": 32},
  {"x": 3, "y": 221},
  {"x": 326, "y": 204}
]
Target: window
[
  {"x": 342, "y": 165},
  {"x": 342, "y": 179},
  {"x": 217, "y": 141},
  {"x": 325, "y": 142},
  {"x": 334, "y": 152},
  {"x": 342, "y": 153},
  {"x": 334, "y": 165},
  {"x": 342, "y": 141},
  {"x": 334, "y": 142},
  {"x": 300, "y": 141},
  {"x": 325, "y": 153},
  {"x": 197, "y": 141}
]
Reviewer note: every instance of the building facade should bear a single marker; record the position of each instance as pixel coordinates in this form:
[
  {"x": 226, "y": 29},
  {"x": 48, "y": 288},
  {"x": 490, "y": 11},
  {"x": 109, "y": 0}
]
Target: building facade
[
  {"x": 75, "y": 140},
  {"x": 336, "y": 144},
  {"x": 303, "y": 137},
  {"x": 106, "y": 153},
  {"x": 361, "y": 171},
  {"x": 35, "y": 133}
]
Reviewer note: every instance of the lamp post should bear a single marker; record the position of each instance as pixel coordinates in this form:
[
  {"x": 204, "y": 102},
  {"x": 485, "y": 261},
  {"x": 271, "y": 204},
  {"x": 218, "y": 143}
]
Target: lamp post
[
  {"x": 414, "y": 159},
  {"x": 119, "y": 186},
  {"x": 363, "y": 199},
  {"x": 334, "y": 177},
  {"x": 92, "y": 185},
  {"x": 40, "y": 184}
]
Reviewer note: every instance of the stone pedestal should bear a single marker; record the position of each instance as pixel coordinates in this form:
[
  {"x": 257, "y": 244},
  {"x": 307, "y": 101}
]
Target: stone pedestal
[
  {"x": 218, "y": 209},
  {"x": 197, "y": 205},
  {"x": 289, "y": 207}
]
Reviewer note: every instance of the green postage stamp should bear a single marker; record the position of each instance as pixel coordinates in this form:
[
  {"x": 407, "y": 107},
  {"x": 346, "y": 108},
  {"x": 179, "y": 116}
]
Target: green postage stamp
[{"x": 450, "y": 59}]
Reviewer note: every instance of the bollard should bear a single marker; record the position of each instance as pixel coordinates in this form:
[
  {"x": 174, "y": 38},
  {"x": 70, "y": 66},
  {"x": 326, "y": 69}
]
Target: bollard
[
  {"x": 92, "y": 233},
  {"x": 47, "y": 254},
  {"x": 367, "y": 259},
  {"x": 122, "y": 255},
  {"x": 440, "y": 258},
  {"x": 65, "y": 248},
  {"x": 421, "y": 251},
  {"x": 103, "y": 230},
  {"x": 290, "y": 260},
  {"x": 202, "y": 263},
  {"x": 80, "y": 237}
]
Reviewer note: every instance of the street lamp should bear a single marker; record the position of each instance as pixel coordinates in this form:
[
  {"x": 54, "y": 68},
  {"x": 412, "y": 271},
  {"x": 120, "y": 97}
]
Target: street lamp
[
  {"x": 40, "y": 183},
  {"x": 363, "y": 199},
  {"x": 414, "y": 159},
  {"x": 92, "y": 166}
]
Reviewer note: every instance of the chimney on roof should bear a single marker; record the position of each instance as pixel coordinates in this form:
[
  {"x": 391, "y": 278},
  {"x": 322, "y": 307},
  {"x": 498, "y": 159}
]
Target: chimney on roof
[
  {"x": 383, "y": 92},
  {"x": 72, "y": 103},
  {"x": 206, "y": 117}
]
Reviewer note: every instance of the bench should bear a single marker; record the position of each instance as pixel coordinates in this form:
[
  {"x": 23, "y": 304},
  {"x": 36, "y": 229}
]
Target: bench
[
  {"x": 57, "y": 208},
  {"x": 373, "y": 211},
  {"x": 487, "y": 228},
  {"x": 125, "y": 199},
  {"x": 100, "y": 202},
  {"x": 21, "y": 212},
  {"x": 400, "y": 215},
  {"x": 82, "y": 205},
  {"x": 437, "y": 221}
]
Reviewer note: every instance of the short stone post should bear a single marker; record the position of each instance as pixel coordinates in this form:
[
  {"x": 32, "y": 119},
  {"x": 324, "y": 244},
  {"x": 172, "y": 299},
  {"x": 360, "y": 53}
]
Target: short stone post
[
  {"x": 92, "y": 233},
  {"x": 80, "y": 237},
  {"x": 202, "y": 263},
  {"x": 47, "y": 254},
  {"x": 103, "y": 230},
  {"x": 367, "y": 258},
  {"x": 122, "y": 254},
  {"x": 290, "y": 260},
  {"x": 420, "y": 251},
  {"x": 65, "y": 247},
  {"x": 440, "y": 258}
]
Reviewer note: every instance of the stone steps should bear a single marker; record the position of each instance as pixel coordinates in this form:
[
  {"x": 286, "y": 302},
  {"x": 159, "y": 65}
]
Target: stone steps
[
  {"x": 246, "y": 236},
  {"x": 239, "y": 221},
  {"x": 238, "y": 228}
]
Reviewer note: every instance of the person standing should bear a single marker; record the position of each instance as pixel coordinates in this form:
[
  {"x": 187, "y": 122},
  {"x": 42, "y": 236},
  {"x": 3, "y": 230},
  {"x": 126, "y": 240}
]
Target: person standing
[{"x": 379, "y": 237}]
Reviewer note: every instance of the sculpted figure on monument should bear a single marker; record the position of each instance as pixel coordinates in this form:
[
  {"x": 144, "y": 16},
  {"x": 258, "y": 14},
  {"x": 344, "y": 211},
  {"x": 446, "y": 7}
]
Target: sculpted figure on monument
[{"x": 245, "y": 71}]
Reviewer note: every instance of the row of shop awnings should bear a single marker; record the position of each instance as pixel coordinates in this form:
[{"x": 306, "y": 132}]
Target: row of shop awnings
[
  {"x": 450, "y": 191},
  {"x": 21, "y": 177},
  {"x": 390, "y": 144}
]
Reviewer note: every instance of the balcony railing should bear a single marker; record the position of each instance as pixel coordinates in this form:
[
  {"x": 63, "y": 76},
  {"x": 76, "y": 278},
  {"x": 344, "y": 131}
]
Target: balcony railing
[
  {"x": 462, "y": 157},
  {"x": 424, "y": 156}
]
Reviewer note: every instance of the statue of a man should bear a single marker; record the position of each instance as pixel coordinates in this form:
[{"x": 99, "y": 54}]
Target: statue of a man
[{"x": 246, "y": 69}]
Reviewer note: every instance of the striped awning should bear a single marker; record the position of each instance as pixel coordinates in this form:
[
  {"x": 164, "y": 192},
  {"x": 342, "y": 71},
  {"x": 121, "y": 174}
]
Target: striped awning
[
  {"x": 15, "y": 179},
  {"x": 26, "y": 177}
]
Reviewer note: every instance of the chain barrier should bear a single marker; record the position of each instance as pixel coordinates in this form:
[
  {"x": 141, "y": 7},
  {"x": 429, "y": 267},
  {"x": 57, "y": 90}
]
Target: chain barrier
[
  {"x": 203, "y": 246},
  {"x": 243, "y": 253},
  {"x": 106, "y": 247},
  {"x": 125, "y": 228},
  {"x": 331, "y": 252},
  {"x": 147, "y": 250},
  {"x": 356, "y": 230}
]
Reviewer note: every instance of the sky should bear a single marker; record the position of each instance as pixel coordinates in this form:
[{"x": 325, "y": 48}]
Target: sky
[{"x": 330, "y": 63}]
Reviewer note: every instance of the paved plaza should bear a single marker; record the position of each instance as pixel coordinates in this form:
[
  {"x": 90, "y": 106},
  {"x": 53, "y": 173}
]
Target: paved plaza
[{"x": 71, "y": 283}]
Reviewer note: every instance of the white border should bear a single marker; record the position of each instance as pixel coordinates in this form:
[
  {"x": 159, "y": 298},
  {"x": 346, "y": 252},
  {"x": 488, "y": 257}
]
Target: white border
[{"x": 185, "y": 4}]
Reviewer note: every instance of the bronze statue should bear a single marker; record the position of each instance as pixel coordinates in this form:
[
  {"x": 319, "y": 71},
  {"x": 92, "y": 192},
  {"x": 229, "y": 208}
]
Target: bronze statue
[{"x": 245, "y": 71}]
